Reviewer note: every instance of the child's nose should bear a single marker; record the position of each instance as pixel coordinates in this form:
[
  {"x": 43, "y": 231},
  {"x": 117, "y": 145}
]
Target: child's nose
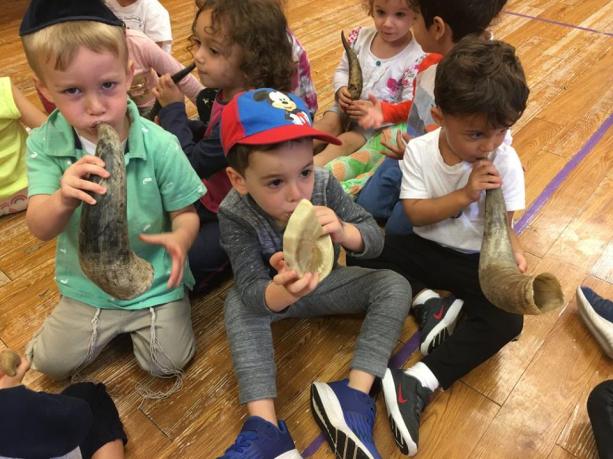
[
  {"x": 293, "y": 192},
  {"x": 93, "y": 104}
]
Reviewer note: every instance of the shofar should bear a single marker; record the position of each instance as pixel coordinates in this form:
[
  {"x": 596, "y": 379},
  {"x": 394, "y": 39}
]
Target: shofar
[
  {"x": 306, "y": 248},
  {"x": 104, "y": 250},
  {"x": 354, "y": 83},
  {"x": 500, "y": 279},
  {"x": 9, "y": 361}
]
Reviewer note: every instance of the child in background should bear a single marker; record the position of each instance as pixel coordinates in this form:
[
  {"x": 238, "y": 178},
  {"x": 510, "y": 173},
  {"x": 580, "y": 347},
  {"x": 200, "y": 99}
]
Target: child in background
[
  {"x": 270, "y": 151},
  {"x": 388, "y": 57},
  {"x": 237, "y": 45},
  {"x": 480, "y": 91},
  {"x": 148, "y": 16},
  {"x": 81, "y": 421},
  {"x": 16, "y": 113},
  {"x": 438, "y": 26},
  {"x": 149, "y": 62},
  {"x": 81, "y": 64}
]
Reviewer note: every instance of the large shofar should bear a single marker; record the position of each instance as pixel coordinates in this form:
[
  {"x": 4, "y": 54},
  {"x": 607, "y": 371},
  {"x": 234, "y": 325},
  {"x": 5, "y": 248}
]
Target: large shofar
[
  {"x": 354, "y": 83},
  {"x": 500, "y": 279},
  {"x": 104, "y": 250}
]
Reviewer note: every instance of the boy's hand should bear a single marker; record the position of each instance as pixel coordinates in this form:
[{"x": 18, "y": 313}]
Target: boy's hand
[
  {"x": 176, "y": 248},
  {"x": 167, "y": 92},
  {"x": 343, "y": 98},
  {"x": 520, "y": 259},
  {"x": 484, "y": 176},
  {"x": 289, "y": 279},
  {"x": 330, "y": 223},
  {"x": 74, "y": 184},
  {"x": 358, "y": 108},
  {"x": 373, "y": 117},
  {"x": 394, "y": 151},
  {"x": 7, "y": 382}
]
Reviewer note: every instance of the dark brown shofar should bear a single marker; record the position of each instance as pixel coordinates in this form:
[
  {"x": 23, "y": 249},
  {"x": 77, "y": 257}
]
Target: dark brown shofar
[
  {"x": 104, "y": 249},
  {"x": 354, "y": 82},
  {"x": 9, "y": 361},
  {"x": 500, "y": 279}
]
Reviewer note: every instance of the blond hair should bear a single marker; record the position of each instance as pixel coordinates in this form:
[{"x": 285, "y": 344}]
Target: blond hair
[{"x": 59, "y": 43}]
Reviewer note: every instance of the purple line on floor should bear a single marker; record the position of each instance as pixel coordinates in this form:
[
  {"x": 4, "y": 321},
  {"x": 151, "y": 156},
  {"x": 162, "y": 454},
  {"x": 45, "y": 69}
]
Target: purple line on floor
[
  {"x": 563, "y": 24},
  {"x": 397, "y": 361},
  {"x": 546, "y": 194}
]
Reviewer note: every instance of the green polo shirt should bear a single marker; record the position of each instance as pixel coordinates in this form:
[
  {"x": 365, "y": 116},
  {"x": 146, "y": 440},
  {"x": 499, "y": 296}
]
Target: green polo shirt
[{"x": 159, "y": 180}]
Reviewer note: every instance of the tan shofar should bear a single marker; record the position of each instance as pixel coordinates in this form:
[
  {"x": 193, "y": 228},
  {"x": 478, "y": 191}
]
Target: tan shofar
[
  {"x": 354, "y": 83},
  {"x": 306, "y": 248},
  {"x": 9, "y": 361},
  {"x": 500, "y": 279},
  {"x": 104, "y": 250}
]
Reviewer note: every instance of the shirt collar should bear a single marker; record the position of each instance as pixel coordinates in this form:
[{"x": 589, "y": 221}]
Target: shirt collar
[{"x": 61, "y": 139}]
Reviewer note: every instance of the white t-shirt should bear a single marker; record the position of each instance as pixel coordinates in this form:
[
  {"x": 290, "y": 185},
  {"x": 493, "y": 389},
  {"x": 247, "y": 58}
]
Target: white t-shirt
[
  {"x": 388, "y": 79},
  {"x": 148, "y": 16},
  {"x": 425, "y": 176}
]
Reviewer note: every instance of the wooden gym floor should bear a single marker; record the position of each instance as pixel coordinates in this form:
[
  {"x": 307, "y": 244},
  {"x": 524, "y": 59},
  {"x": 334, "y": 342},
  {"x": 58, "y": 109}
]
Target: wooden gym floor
[{"x": 527, "y": 401}]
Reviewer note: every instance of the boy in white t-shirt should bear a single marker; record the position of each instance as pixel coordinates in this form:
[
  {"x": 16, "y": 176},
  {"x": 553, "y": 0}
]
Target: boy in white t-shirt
[
  {"x": 480, "y": 91},
  {"x": 148, "y": 16}
]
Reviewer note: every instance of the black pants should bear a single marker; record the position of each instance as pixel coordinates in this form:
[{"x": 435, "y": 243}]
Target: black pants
[
  {"x": 484, "y": 330},
  {"x": 600, "y": 410},
  {"x": 107, "y": 426}
]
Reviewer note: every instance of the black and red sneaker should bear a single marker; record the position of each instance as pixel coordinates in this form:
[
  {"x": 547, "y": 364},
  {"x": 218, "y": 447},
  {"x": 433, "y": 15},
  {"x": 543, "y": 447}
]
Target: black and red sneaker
[
  {"x": 405, "y": 399},
  {"x": 437, "y": 318}
]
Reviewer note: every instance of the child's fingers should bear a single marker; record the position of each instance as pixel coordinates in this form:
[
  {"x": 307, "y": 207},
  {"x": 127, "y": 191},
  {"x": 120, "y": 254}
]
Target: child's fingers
[
  {"x": 295, "y": 288},
  {"x": 276, "y": 260},
  {"x": 285, "y": 277},
  {"x": 391, "y": 151}
]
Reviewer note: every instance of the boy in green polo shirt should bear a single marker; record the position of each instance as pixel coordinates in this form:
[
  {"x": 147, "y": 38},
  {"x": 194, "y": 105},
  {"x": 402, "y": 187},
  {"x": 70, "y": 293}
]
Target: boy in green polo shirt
[{"x": 79, "y": 56}]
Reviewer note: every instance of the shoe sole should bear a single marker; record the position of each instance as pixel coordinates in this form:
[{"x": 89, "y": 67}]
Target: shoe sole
[
  {"x": 401, "y": 434},
  {"x": 600, "y": 328},
  {"x": 448, "y": 320},
  {"x": 293, "y": 454},
  {"x": 345, "y": 444}
]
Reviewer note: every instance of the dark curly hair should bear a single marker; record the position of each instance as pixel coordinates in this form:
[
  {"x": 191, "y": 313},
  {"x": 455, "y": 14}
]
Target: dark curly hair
[
  {"x": 259, "y": 28},
  {"x": 481, "y": 76},
  {"x": 464, "y": 17}
]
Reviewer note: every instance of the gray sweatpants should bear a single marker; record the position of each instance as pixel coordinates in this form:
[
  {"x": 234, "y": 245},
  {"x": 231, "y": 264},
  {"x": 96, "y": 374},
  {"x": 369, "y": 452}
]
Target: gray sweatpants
[
  {"x": 382, "y": 294},
  {"x": 75, "y": 333}
]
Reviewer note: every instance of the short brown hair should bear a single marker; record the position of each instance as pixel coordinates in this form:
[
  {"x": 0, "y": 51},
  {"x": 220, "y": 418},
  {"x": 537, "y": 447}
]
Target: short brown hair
[
  {"x": 60, "y": 43},
  {"x": 259, "y": 28},
  {"x": 238, "y": 156},
  {"x": 481, "y": 76}
]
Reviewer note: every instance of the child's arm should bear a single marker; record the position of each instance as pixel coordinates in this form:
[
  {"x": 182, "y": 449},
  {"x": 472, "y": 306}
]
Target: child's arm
[
  {"x": 484, "y": 176},
  {"x": 185, "y": 225},
  {"x": 343, "y": 233},
  {"x": 518, "y": 251},
  {"x": 286, "y": 287},
  {"x": 48, "y": 214},
  {"x": 31, "y": 116},
  {"x": 379, "y": 112}
]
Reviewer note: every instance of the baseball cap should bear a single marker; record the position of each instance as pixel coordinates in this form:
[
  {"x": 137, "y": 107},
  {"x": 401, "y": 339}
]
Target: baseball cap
[
  {"x": 43, "y": 13},
  {"x": 264, "y": 116}
]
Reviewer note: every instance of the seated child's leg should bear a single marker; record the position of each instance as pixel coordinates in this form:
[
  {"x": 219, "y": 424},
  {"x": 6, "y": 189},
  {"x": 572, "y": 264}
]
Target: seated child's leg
[
  {"x": 106, "y": 437},
  {"x": 15, "y": 203},
  {"x": 600, "y": 411},
  {"x": 70, "y": 338},
  {"x": 207, "y": 259},
  {"x": 398, "y": 222},
  {"x": 382, "y": 190},
  {"x": 352, "y": 140},
  {"x": 330, "y": 122},
  {"x": 163, "y": 337}
]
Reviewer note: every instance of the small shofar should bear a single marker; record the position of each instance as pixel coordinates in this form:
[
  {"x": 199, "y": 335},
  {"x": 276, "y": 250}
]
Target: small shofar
[
  {"x": 9, "y": 361},
  {"x": 175, "y": 78},
  {"x": 354, "y": 82}
]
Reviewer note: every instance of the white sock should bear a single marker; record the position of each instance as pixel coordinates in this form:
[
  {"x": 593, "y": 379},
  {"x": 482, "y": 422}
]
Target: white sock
[
  {"x": 424, "y": 296},
  {"x": 424, "y": 375}
]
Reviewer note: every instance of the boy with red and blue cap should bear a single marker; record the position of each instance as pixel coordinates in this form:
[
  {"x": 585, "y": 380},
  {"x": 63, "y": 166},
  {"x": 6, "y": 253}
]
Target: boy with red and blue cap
[{"x": 268, "y": 139}]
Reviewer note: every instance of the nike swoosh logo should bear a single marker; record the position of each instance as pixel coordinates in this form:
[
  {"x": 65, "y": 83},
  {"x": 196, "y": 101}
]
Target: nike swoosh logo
[
  {"x": 401, "y": 399},
  {"x": 438, "y": 315}
]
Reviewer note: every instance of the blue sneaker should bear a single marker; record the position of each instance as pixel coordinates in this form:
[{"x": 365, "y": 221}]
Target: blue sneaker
[
  {"x": 596, "y": 312},
  {"x": 346, "y": 417},
  {"x": 260, "y": 439}
]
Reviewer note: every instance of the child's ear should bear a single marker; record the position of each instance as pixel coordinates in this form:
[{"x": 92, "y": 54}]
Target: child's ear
[
  {"x": 437, "y": 115},
  {"x": 237, "y": 180},
  {"x": 439, "y": 28},
  {"x": 40, "y": 86}
]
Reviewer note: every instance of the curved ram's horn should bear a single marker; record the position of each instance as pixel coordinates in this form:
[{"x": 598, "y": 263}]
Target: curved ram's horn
[
  {"x": 500, "y": 279},
  {"x": 354, "y": 83},
  {"x": 104, "y": 250},
  {"x": 306, "y": 249}
]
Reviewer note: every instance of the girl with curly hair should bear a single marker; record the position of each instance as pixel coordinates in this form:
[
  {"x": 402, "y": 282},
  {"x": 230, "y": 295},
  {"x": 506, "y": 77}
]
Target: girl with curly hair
[{"x": 237, "y": 45}]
